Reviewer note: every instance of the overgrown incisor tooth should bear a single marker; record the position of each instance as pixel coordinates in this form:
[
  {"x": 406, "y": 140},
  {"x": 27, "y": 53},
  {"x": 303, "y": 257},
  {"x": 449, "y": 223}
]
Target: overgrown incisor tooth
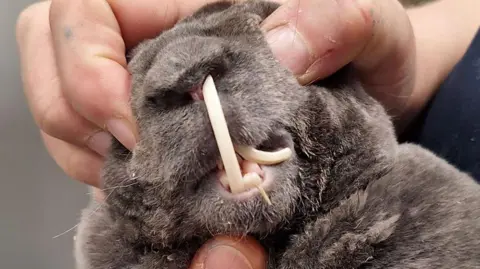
[
  {"x": 222, "y": 136},
  {"x": 224, "y": 180},
  {"x": 252, "y": 180},
  {"x": 220, "y": 165},
  {"x": 263, "y": 157}
]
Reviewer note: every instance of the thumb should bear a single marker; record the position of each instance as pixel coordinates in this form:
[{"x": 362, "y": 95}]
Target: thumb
[
  {"x": 228, "y": 252},
  {"x": 90, "y": 56},
  {"x": 315, "y": 38}
]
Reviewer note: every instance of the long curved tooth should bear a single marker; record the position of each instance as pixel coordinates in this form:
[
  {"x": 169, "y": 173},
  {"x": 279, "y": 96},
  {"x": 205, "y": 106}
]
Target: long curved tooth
[
  {"x": 220, "y": 130},
  {"x": 264, "y": 157},
  {"x": 230, "y": 159}
]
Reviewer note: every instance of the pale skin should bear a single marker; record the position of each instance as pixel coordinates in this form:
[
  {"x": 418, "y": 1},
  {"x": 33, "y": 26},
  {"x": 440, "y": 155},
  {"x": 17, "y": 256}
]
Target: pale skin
[{"x": 77, "y": 85}]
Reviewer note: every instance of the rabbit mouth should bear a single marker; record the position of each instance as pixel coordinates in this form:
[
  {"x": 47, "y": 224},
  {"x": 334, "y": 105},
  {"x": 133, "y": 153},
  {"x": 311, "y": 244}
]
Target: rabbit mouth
[
  {"x": 258, "y": 174},
  {"x": 243, "y": 164}
]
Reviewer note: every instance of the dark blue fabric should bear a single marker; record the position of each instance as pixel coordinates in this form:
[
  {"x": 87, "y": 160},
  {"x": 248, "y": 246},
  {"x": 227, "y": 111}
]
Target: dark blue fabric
[{"x": 450, "y": 125}]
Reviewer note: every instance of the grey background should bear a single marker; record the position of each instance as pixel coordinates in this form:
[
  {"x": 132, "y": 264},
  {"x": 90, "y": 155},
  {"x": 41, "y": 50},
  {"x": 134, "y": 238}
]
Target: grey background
[{"x": 37, "y": 201}]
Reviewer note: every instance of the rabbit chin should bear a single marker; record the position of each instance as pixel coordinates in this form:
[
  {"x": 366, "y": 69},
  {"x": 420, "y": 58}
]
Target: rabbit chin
[{"x": 246, "y": 212}]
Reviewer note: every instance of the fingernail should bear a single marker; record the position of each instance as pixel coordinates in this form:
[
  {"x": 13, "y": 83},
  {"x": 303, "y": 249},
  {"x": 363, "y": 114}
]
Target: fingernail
[
  {"x": 223, "y": 256},
  {"x": 289, "y": 48},
  {"x": 100, "y": 143},
  {"x": 122, "y": 131}
]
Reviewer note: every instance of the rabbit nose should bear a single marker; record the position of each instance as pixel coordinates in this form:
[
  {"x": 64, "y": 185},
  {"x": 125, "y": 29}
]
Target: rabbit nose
[{"x": 196, "y": 93}]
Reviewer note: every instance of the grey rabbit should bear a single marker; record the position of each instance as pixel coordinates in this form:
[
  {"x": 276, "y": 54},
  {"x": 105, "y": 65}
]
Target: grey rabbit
[{"x": 351, "y": 196}]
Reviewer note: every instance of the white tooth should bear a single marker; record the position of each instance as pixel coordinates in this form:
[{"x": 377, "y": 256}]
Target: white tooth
[
  {"x": 224, "y": 180},
  {"x": 263, "y": 157},
  {"x": 220, "y": 165},
  {"x": 222, "y": 136},
  {"x": 252, "y": 180}
]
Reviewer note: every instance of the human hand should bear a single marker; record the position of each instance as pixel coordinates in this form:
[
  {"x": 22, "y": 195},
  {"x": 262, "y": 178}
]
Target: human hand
[
  {"x": 76, "y": 82},
  {"x": 74, "y": 73},
  {"x": 315, "y": 38}
]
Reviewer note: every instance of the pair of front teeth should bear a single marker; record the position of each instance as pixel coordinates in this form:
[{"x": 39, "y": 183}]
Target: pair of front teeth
[
  {"x": 252, "y": 173},
  {"x": 234, "y": 178},
  {"x": 251, "y": 179}
]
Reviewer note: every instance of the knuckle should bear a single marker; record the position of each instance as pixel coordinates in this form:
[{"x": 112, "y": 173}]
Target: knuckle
[
  {"x": 50, "y": 121},
  {"x": 357, "y": 22},
  {"x": 28, "y": 17},
  {"x": 71, "y": 168},
  {"x": 87, "y": 94},
  {"x": 77, "y": 163},
  {"x": 83, "y": 168},
  {"x": 59, "y": 121},
  {"x": 56, "y": 9}
]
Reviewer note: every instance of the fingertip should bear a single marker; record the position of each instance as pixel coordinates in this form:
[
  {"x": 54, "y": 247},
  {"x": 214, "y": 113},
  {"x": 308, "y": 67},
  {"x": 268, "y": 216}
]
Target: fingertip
[
  {"x": 290, "y": 48},
  {"x": 100, "y": 91},
  {"x": 230, "y": 252},
  {"x": 100, "y": 142},
  {"x": 123, "y": 130}
]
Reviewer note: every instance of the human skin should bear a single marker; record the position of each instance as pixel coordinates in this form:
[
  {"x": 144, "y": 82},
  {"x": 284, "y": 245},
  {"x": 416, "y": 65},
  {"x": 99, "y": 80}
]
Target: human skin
[{"x": 77, "y": 85}]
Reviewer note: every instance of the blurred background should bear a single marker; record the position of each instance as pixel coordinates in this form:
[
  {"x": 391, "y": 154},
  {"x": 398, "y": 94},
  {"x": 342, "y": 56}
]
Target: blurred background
[{"x": 37, "y": 201}]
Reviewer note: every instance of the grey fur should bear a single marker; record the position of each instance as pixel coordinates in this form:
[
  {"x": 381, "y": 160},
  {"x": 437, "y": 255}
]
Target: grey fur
[{"x": 351, "y": 197}]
